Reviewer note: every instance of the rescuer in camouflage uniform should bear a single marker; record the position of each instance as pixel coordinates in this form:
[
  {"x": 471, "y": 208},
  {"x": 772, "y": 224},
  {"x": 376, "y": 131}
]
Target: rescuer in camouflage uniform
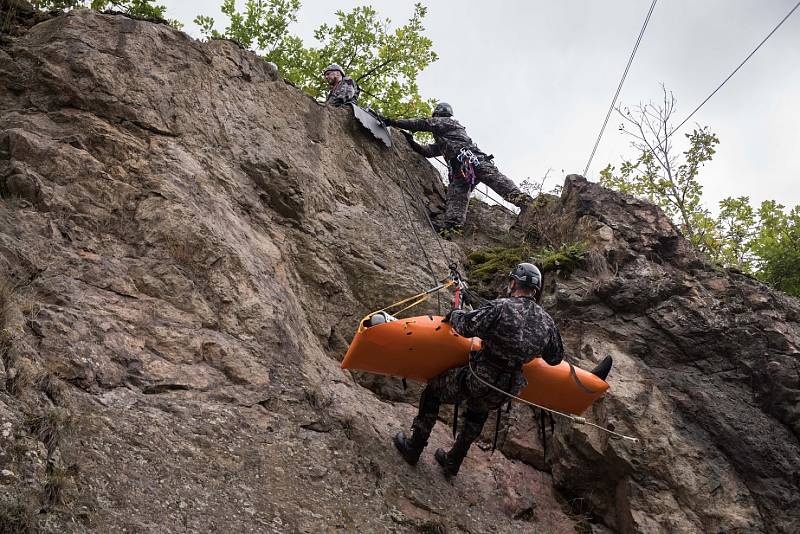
[
  {"x": 514, "y": 331},
  {"x": 343, "y": 89},
  {"x": 449, "y": 140}
]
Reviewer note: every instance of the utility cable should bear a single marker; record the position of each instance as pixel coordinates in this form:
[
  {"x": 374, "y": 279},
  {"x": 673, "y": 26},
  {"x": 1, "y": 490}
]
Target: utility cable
[
  {"x": 784, "y": 19},
  {"x": 619, "y": 87}
]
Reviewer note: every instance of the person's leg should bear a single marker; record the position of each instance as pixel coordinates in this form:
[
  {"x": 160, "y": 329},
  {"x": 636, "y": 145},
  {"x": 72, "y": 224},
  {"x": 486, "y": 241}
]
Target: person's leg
[
  {"x": 501, "y": 184},
  {"x": 457, "y": 202},
  {"x": 474, "y": 420},
  {"x": 480, "y": 402},
  {"x": 443, "y": 388}
]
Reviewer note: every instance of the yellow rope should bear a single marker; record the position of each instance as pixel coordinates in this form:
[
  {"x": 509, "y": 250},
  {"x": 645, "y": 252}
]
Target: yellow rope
[
  {"x": 418, "y": 298},
  {"x": 574, "y": 418}
]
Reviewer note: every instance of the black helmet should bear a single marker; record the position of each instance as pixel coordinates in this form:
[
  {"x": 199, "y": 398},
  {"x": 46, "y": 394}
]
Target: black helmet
[
  {"x": 528, "y": 275},
  {"x": 443, "y": 109},
  {"x": 333, "y": 66}
]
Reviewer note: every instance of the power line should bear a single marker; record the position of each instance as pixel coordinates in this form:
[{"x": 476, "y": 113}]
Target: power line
[
  {"x": 619, "y": 87},
  {"x": 789, "y": 14}
]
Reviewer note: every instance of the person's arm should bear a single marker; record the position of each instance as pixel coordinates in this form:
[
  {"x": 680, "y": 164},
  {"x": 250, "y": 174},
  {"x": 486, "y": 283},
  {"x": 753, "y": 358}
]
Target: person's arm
[
  {"x": 477, "y": 323},
  {"x": 553, "y": 351},
  {"x": 429, "y": 151},
  {"x": 414, "y": 125},
  {"x": 350, "y": 91}
]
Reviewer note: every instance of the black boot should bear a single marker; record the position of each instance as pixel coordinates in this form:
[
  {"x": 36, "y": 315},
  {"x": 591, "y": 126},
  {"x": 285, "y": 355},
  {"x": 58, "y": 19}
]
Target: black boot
[
  {"x": 451, "y": 461},
  {"x": 410, "y": 449},
  {"x": 603, "y": 368}
]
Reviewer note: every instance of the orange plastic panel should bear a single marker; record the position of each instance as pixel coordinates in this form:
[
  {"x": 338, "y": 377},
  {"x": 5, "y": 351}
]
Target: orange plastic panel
[
  {"x": 418, "y": 348},
  {"x": 554, "y": 387},
  {"x": 422, "y": 347}
]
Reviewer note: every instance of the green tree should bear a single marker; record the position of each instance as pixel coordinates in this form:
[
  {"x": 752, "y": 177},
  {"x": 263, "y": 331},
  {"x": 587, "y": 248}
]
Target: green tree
[
  {"x": 735, "y": 229},
  {"x": 776, "y": 247},
  {"x": 662, "y": 176},
  {"x": 764, "y": 242},
  {"x": 133, "y": 8},
  {"x": 384, "y": 62}
]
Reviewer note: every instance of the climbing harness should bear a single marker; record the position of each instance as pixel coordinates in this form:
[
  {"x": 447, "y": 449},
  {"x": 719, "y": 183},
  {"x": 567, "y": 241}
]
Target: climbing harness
[
  {"x": 468, "y": 162},
  {"x": 544, "y": 431}
]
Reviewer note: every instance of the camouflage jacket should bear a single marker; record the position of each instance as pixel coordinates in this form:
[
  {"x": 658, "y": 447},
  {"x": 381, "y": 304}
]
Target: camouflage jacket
[
  {"x": 345, "y": 92},
  {"x": 448, "y": 135},
  {"x": 513, "y": 331}
]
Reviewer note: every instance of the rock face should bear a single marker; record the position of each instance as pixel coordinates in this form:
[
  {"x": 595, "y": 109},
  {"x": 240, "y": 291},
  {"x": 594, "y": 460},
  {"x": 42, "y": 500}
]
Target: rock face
[
  {"x": 706, "y": 374},
  {"x": 186, "y": 246}
]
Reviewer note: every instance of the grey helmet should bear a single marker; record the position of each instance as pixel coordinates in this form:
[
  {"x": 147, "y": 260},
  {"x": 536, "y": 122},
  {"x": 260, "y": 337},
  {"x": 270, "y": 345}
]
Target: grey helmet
[
  {"x": 333, "y": 66},
  {"x": 443, "y": 109},
  {"x": 528, "y": 275}
]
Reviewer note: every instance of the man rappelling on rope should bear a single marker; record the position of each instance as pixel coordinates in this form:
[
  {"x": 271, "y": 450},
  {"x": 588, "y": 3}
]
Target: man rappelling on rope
[
  {"x": 514, "y": 331},
  {"x": 467, "y": 164}
]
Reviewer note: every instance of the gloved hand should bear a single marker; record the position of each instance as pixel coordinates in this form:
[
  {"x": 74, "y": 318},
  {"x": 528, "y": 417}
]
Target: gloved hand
[{"x": 471, "y": 299}]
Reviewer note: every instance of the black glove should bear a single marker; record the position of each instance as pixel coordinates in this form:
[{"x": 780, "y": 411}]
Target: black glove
[
  {"x": 471, "y": 299},
  {"x": 447, "y": 317}
]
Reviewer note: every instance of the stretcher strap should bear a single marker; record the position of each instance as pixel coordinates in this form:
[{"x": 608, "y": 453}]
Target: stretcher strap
[{"x": 578, "y": 380}]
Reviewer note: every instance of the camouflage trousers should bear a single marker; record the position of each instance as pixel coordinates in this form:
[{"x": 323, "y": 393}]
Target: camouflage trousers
[
  {"x": 459, "y": 385},
  {"x": 459, "y": 189}
]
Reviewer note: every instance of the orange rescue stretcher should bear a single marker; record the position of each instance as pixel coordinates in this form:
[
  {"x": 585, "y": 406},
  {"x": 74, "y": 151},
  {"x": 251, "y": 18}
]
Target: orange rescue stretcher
[{"x": 420, "y": 348}]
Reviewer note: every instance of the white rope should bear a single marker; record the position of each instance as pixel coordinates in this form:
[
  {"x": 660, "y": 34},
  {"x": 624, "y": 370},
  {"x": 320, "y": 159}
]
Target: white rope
[{"x": 574, "y": 418}]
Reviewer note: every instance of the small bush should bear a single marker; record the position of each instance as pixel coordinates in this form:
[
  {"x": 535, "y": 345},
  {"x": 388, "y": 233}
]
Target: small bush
[
  {"x": 561, "y": 260},
  {"x": 486, "y": 267},
  {"x": 56, "y": 483},
  {"x": 51, "y": 428},
  {"x": 17, "y": 517}
]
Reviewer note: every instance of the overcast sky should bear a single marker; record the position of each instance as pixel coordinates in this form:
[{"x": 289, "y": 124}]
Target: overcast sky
[{"x": 543, "y": 75}]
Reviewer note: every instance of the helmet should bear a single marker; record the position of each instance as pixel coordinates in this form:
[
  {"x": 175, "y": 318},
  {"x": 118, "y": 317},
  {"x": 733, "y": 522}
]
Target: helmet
[
  {"x": 333, "y": 66},
  {"x": 528, "y": 275},
  {"x": 443, "y": 109}
]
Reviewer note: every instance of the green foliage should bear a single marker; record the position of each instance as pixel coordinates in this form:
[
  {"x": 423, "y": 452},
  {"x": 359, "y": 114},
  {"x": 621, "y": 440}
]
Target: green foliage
[
  {"x": 658, "y": 174},
  {"x": 385, "y": 63},
  {"x": 777, "y": 247},
  {"x": 561, "y": 260},
  {"x": 143, "y": 9},
  {"x": 763, "y": 242},
  {"x": 264, "y": 26},
  {"x": 486, "y": 266},
  {"x": 734, "y": 228}
]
